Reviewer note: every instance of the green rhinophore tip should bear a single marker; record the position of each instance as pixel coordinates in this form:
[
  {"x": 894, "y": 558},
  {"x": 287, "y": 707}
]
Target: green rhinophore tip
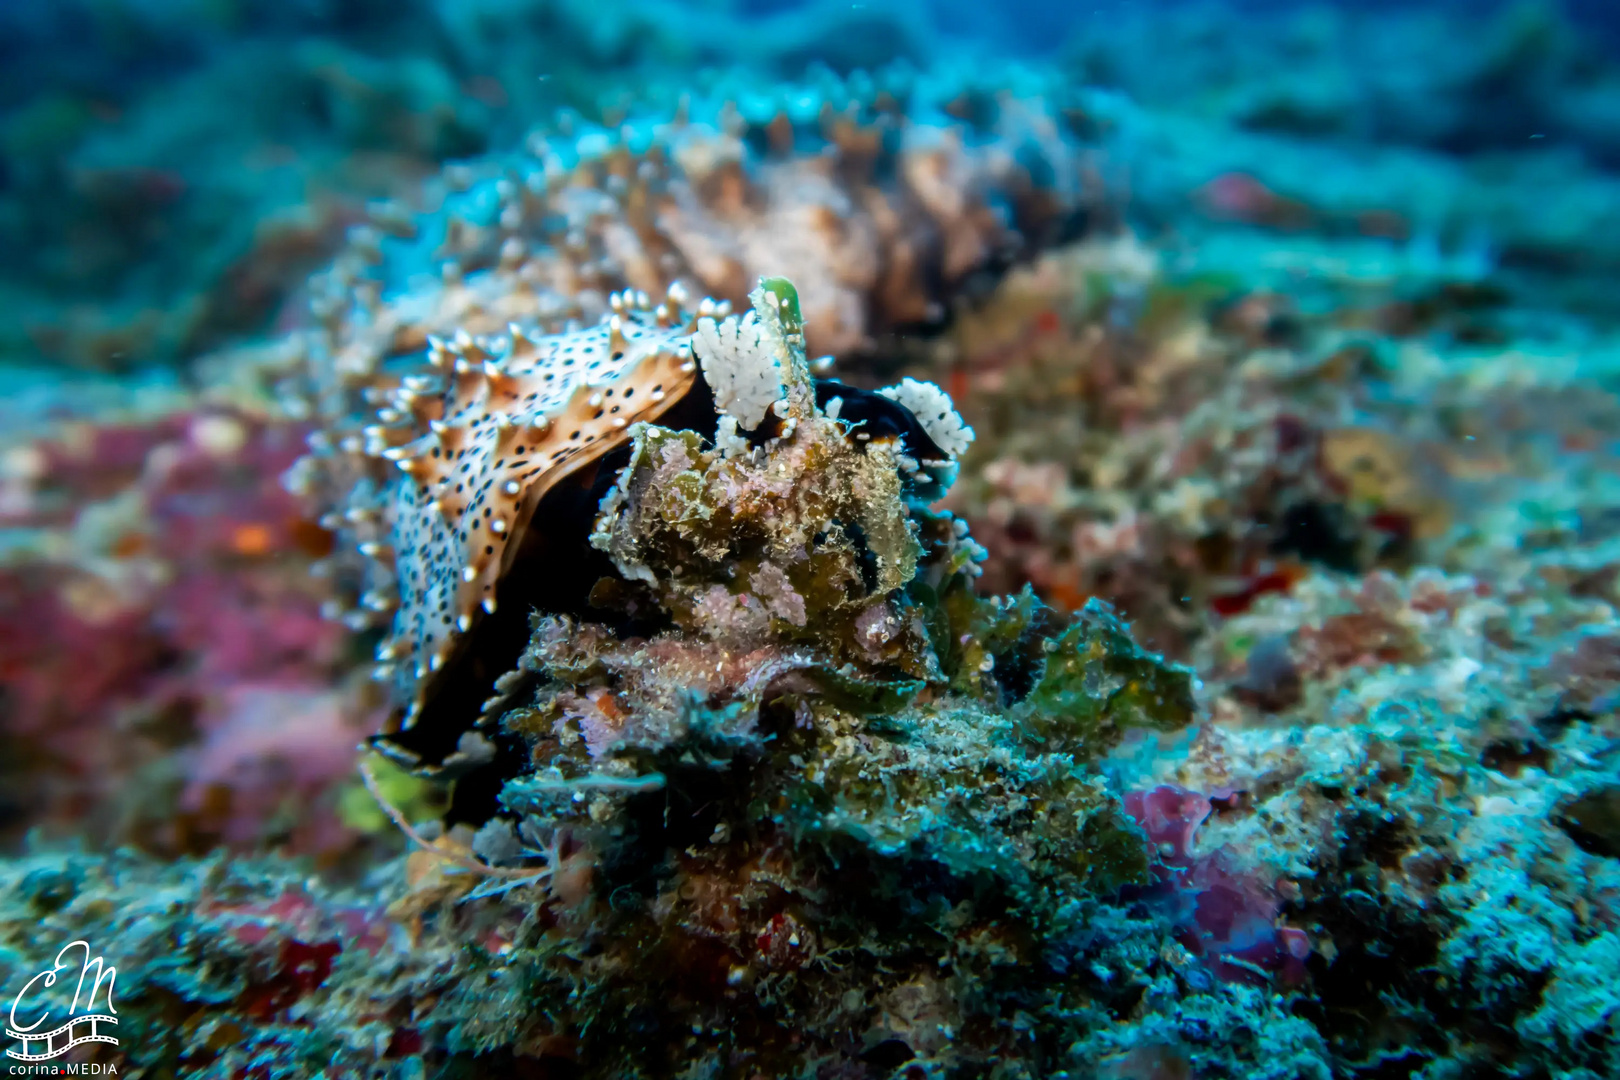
[
  {"x": 776, "y": 302},
  {"x": 786, "y": 303}
]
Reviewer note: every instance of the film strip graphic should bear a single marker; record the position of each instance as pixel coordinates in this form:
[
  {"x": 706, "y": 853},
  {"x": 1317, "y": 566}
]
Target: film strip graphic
[{"x": 80, "y": 1029}]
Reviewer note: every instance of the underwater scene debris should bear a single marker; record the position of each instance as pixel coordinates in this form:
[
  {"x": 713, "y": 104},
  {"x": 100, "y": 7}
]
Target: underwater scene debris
[{"x": 785, "y": 539}]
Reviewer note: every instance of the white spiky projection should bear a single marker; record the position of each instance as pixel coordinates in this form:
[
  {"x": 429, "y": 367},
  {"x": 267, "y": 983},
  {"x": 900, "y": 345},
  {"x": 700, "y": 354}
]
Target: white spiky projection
[
  {"x": 936, "y": 413},
  {"x": 744, "y": 375}
]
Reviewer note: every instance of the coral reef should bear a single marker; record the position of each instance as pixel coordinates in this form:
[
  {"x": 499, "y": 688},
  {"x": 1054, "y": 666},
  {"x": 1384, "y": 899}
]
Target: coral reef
[
  {"x": 749, "y": 769},
  {"x": 1181, "y": 443},
  {"x": 821, "y": 714},
  {"x": 1172, "y": 635}
]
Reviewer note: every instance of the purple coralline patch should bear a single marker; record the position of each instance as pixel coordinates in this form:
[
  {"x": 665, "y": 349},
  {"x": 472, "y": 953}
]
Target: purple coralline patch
[
  {"x": 1223, "y": 912},
  {"x": 165, "y": 647}
]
